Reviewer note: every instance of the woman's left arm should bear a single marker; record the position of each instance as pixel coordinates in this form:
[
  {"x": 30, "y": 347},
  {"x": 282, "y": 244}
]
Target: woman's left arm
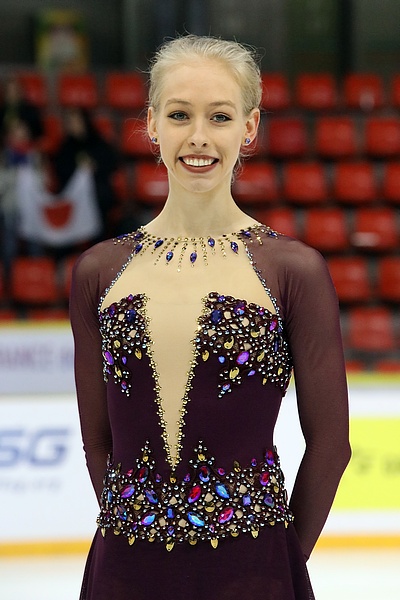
[{"x": 313, "y": 329}]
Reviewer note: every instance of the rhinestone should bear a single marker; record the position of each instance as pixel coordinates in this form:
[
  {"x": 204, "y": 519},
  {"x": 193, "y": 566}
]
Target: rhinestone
[
  {"x": 131, "y": 315},
  {"x": 127, "y": 491},
  {"x": 158, "y": 243},
  {"x": 246, "y": 500},
  {"x": 269, "y": 501},
  {"x": 211, "y": 242},
  {"x": 196, "y": 519},
  {"x": 193, "y": 257},
  {"x": 221, "y": 359},
  {"x": 234, "y": 247},
  {"x": 243, "y": 357},
  {"x": 137, "y": 248},
  {"x": 109, "y": 357},
  {"x": 148, "y": 519},
  {"x": 143, "y": 474},
  {"x": 216, "y": 316},
  {"x": 226, "y": 515},
  {"x": 264, "y": 478},
  {"x": 151, "y": 496},
  {"x": 239, "y": 309},
  {"x": 222, "y": 490},
  {"x": 169, "y": 256},
  {"x": 269, "y": 457},
  {"x": 194, "y": 494},
  {"x": 204, "y": 474}
]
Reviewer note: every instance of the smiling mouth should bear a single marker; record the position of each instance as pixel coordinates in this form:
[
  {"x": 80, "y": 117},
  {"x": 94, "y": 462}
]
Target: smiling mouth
[{"x": 192, "y": 161}]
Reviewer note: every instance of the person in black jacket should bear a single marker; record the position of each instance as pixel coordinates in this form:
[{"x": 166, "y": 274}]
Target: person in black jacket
[{"x": 84, "y": 143}]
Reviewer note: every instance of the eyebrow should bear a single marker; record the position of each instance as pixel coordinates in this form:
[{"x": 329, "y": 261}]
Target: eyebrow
[{"x": 214, "y": 104}]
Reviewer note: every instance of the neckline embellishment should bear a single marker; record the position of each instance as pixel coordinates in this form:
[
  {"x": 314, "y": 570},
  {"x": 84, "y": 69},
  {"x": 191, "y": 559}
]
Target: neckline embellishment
[{"x": 190, "y": 248}]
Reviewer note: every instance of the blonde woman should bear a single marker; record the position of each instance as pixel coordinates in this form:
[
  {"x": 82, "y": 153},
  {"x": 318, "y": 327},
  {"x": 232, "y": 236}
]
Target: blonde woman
[{"x": 186, "y": 334}]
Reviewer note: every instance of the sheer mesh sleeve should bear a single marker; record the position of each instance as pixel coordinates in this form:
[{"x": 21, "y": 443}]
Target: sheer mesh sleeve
[
  {"x": 299, "y": 278},
  {"x": 93, "y": 272}
]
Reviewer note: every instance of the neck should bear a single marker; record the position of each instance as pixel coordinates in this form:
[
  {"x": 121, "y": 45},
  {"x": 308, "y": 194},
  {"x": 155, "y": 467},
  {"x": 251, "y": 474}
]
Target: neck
[{"x": 196, "y": 215}]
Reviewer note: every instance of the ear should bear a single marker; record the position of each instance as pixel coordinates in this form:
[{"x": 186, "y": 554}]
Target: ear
[
  {"x": 252, "y": 123},
  {"x": 151, "y": 123}
]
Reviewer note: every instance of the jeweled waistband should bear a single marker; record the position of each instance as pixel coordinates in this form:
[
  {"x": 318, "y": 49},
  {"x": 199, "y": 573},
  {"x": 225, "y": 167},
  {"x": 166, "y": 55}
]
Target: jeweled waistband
[{"x": 208, "y": 504}]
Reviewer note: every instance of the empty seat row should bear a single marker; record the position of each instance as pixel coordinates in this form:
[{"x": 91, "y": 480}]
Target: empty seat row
[
  {"x": 310, "y": 91},
  {"x": 332, "y": 231},
  {"x": 263, "y": 183},
  {"x": 370, "y": 330}
]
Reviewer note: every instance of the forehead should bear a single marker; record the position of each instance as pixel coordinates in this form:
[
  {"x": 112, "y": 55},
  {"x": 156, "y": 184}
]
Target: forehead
[{"x": 200, "y": 79}]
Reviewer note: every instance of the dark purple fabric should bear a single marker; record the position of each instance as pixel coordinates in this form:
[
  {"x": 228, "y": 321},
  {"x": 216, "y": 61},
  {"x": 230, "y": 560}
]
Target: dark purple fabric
[{"x": 238, "y": 426}]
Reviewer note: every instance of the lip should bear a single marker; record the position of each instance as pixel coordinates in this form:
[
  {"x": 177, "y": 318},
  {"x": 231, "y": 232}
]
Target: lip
[{"x": 202, "y": 169}]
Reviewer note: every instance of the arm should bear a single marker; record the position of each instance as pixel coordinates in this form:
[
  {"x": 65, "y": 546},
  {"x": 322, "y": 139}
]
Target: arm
[
  {"x": 313, "y": 328},
  {"x": 90, "y": 386}
]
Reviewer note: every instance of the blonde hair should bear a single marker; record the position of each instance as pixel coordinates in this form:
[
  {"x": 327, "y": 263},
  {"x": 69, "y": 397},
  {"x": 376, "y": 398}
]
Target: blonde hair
[{"x": 241, "y": 60}]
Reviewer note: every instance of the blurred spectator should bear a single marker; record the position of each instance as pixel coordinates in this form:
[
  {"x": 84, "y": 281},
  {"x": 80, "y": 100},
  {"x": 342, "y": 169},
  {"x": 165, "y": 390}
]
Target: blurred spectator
[
  {"x": 17, "y": 150},
  {"x": 83, "y": 144},
  {"x": 15, "y": 108}
]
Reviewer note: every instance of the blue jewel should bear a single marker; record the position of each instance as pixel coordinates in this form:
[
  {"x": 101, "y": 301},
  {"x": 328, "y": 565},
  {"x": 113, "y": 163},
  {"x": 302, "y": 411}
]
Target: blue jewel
[
  {"x": 251, "y": 373},
  {"x": 151, "y": 496},
  {"x": 127, "y": 491},
  {"x": 239, "y": 308},
  {"x": 171, "y": 530},
  {"x": 121, "y": 513},
  {"x": 269, "y": 501},
  {"x": 234, "y": 247},
  {"x": 243, "y": 357},
  {"x": 226, "y": 387},
  {"x": 204, "y": 474},
  {"x": 109, "y": 496},
  {"x": 170, "y": 513},
  {"x": 148, "y": 519},
  {"x": 222, "y": 490},
  {"x": 246, "y": 500},
  {"x": 169, "y": 256},
  {"x": 247, "y": 233},
  {"x": 221, "y": 298},
  {"x": 221, "y": 359},
  {"x": 138, "y": 235},
  {"x": 137, "y": 248},
  {"x": 130, "y": 315},
  {"x": 193, "y": 257},
  {"x": 195, "y": 519},
  {"x": 211, "y": 242},
  {"x": 158, "y": 243},
  {"x": 216, "y": 316}
]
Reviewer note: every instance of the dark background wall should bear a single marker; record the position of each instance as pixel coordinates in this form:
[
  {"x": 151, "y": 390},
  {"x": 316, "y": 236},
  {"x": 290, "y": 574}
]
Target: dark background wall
[{"x": 294, "y": 35}]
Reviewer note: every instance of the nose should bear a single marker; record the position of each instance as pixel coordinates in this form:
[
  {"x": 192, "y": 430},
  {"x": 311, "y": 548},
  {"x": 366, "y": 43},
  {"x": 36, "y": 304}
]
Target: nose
[{"x": 198, "y": 137}]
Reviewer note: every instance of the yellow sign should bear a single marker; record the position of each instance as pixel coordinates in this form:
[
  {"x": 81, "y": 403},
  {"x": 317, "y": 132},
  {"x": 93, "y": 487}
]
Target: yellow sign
[{"x": 372, "y": 479}]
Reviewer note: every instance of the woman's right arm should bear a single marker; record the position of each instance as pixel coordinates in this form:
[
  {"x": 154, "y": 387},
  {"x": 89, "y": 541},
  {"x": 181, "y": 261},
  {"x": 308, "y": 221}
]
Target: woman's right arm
[{"x": 90, "y": 385}]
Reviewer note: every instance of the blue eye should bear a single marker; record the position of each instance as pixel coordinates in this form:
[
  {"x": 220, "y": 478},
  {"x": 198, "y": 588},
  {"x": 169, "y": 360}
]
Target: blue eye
[
  {"x": 178, "y": 116},
  {"x": 220, "y": 118}
]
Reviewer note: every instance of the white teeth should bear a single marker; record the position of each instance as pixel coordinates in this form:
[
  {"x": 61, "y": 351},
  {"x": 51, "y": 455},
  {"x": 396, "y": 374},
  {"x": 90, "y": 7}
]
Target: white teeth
[{"x": 198, "y": 162}]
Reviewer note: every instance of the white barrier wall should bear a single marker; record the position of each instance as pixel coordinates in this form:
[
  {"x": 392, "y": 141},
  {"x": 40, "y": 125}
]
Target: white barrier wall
[{"x": 46, "y": 495}]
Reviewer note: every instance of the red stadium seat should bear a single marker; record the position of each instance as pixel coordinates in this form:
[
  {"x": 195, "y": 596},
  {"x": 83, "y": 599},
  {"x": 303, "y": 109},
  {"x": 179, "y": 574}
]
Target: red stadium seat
[
  {"x": 106, "y": 126},
  {"x": 125, "y": 91},
  {"x": 326, "y": 229},
  {"x": 257, "y": 182},
  {"x": 34, "y": 86},
  {"x": 150, "y": 182},
  {"x": 34, "y": 280},
  {"x": 305, "y": 183},
  {"x": 375, "y": 229},
  {"x": 388, "y": 366},
  {"x": 47, "y": 314},
  {"x": 287, "y": 138},
  {"x": 121, "y": 184},
  {"x": 355, "y": 183},
  {"x": 316, "y": 91},
  {"x": 335, "y": 137},
  {"x": 382, "y": 137},
  {"x": 395, "y": 91},
  {"x": 276, "y": 92},
  {"x": 53, "y": 133},
  {"x": 77, "y": 90},
  {"x": 391, "y": 182},
  {"x": 370, "y": 329},
  {"x": 8, "y": 314},
  {"x": 351, "y": 278},
  {"x": 363, "y": 91},
  {"x": 134, "y": 138},
  {"x": 389, "y": 278},
  {"x": 282, "y": 220}
]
